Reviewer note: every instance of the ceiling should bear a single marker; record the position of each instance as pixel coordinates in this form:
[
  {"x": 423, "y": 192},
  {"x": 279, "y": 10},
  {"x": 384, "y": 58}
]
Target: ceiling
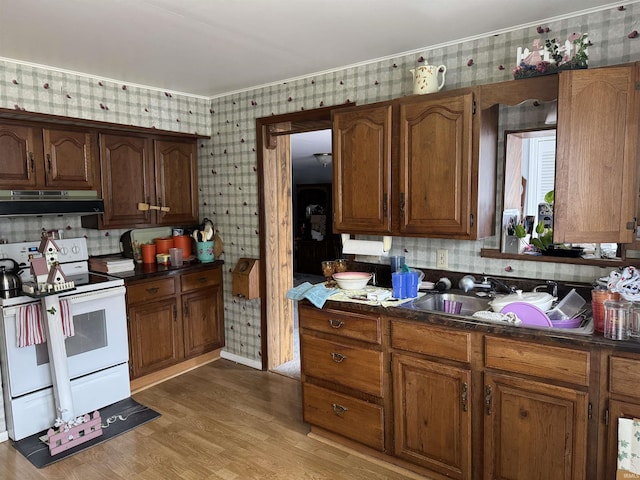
[{"x": 213, "y": 47}]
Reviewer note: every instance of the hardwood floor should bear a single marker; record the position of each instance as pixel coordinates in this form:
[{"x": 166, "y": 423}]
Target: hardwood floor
[{"x": 219, "y": 421}]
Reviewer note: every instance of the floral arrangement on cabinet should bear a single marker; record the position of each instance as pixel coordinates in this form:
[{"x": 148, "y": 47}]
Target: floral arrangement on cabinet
[{"x": 552, "y": 56}]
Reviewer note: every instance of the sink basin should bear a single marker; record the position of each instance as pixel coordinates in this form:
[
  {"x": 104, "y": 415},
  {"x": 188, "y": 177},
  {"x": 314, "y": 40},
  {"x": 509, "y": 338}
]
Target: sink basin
[{"x": 435, "y": 302}]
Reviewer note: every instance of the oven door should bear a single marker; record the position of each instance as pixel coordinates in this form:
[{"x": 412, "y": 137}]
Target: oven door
[{"x": 100, "y": 341}]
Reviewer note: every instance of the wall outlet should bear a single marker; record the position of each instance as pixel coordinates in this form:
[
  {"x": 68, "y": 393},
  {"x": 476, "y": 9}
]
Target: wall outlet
[{"x": 442, "y": 258}]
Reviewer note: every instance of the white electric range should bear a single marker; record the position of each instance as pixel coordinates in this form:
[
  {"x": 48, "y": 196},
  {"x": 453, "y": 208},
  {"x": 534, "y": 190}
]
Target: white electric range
[{"x": 97, "y": 355}]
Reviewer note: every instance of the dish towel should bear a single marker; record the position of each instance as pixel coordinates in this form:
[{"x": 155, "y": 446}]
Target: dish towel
[
  {"x": 626, "y": 283},
  {"x": 29, "y": 328},
  {"x": 316, "y": 294},
  {"x": 629, "y": 445}
]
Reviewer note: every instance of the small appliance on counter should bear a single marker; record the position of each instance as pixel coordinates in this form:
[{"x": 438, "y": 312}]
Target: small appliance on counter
[{"x": 131, "y": 240}]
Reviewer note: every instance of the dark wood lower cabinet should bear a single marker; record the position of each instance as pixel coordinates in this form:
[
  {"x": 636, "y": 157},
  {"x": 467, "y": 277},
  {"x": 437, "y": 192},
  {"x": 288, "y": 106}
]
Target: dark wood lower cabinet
[
  {"x": 469, "y": 404},
  {"x": 432, "y": 415},
  {"x": 175, "y": 317},
  {"x": 154, "y": 336},
  {"x": 534, "y": 430}
]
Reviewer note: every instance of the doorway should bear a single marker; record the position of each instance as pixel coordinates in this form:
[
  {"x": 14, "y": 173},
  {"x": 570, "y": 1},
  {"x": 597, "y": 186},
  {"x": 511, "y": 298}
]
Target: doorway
[{"x": 276, "y": 226}]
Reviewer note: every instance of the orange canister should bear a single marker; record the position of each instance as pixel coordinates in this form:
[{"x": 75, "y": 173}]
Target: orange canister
[
  {"x": 183, "y": 242},
  {"x": 148, "y": 253},
  {"x": 163, "y": 244},
  {"x": 598, "y": 297}
]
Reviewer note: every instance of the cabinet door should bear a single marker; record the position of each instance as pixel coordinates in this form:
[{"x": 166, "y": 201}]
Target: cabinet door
[
  {"x": 597, "y": 155},
  {"x": 617, "y": 410},
  {"x": 20, "y": 150},
  {"x": 435, "y": 166},
  {"x": 202, "y": 319},
  {"x": 176, "y": 182},
  {"x": 155, "y": 337},
  {"x": 362, "y": 170},
  {"x": 69, "y": 159},
  {"x": 534, "y": 430},
  {"x": 127, "y": 179},
  {"x": 432, "y": 415}
]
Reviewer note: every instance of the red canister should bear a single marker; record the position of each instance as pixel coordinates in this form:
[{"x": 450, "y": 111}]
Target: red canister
[
  {"x": 163, "y": 244},
  {"x": 598, "y": 298},
  {"x": 148, "y": 253},
  {"x": 183, "y": 242}
]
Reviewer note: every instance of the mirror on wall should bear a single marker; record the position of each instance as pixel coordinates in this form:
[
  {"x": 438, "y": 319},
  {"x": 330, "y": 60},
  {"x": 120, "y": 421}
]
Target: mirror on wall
[{"x": 529, "y": 173}]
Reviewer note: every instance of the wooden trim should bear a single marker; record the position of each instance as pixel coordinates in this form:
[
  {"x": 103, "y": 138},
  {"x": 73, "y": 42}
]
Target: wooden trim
[
  {"x": 495, "y": 253},
  {"x": 514, "y": 92},
  {"x": 45, "y": 119},
  {"x": 276, "y": 249},
  {"x": 142, "y": 383}
]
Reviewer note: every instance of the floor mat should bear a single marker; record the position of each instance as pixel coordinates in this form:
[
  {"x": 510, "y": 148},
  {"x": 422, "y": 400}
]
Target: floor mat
[{"x": 116, "y": 419}]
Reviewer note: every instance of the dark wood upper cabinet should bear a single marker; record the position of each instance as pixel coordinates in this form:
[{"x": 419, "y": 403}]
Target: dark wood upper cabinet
[
  {"x": 597, "y": 155},
  {"x": 146, "y": 182},
  {"x": 45, "y": 158},
  {"x": 176, "y": 182},
  {"x": 69, "y": 159},
  {"x": 435, "y": 165},
  {"x": 417, "y": 166},
  {"x": 362, "y": 169},
  {"x": 126, "y": 168}
]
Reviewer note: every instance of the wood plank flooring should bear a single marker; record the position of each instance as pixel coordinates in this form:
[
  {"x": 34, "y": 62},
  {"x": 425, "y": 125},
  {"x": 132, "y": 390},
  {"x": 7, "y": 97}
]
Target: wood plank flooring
[{"x": 219, "y": 421}]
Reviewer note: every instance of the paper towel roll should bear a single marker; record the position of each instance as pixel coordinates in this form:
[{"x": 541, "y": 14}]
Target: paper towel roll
[{"x": 363, "y": 247}]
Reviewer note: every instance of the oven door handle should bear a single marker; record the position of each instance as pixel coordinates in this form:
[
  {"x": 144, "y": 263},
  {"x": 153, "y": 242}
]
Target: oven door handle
[{"x": 108, "y": 292}]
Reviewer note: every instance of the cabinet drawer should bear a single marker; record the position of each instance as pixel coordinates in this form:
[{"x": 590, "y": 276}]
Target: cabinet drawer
[
  {"x": 356, "y": 419},
  {"x": 442, "y": 343},
  {"x": 556, "y": 363},
  {"x": 203, "y": 278},
  {"x": 353, "y": 367},
  {"x": 146, "y": 291},
  {"x": 624, "y": 376},
  {"x": 344, "y": 324}
]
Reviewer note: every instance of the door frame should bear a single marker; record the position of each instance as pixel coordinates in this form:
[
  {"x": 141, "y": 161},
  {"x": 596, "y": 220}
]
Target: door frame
[{"x": 276, "y": 225}]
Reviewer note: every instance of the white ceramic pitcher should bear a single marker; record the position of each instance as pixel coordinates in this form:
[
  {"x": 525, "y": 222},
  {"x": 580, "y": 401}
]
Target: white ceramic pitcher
[{"x": 425, "y": 78}]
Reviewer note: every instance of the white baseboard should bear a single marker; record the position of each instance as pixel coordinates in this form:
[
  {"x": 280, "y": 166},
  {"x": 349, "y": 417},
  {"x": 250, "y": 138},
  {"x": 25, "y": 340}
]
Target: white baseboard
[
  {"x": 241, "y": 360},
  {"x": 4, "y": 436}
]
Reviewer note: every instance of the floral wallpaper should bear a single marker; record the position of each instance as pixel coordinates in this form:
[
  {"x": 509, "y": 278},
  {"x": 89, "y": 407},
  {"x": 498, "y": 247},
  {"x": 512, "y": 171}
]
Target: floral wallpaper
[{"x": 227, "y": 161}]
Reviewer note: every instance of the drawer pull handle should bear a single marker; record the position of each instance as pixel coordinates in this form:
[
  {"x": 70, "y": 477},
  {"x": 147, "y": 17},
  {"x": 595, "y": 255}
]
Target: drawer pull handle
[
  {"x": 337, "y": 357},
  {"x": 202, "y": 279},
  {"x": 336, "y": 323},
  {"x": 339, "y": 409},
  {"x": 152, "y": 290}
]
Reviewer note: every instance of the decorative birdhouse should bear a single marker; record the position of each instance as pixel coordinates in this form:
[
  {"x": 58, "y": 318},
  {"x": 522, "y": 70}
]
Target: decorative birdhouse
[
  {"x": 40, "y": 269},
  {"x": 49, "y": 250}
]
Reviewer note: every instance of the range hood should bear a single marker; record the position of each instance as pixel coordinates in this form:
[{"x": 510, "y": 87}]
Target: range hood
[{"x": 18, "y": 203}]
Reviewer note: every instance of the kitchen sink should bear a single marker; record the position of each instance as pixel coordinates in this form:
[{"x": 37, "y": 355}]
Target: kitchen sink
[{"x": 435, "y": 302}]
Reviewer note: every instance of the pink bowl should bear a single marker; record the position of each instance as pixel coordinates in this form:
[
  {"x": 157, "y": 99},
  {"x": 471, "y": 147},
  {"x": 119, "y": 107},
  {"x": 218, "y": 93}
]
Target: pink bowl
[{"x": 352, "y": 280}]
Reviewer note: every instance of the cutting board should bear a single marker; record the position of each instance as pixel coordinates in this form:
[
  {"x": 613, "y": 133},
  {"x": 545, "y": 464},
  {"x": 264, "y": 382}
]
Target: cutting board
[{"x": 147, "y": 235}]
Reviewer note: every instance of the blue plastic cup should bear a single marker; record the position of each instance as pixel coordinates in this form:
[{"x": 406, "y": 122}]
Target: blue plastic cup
[
  {"x": 411, "y": 280},
  {"x": 398, "y": 284}
]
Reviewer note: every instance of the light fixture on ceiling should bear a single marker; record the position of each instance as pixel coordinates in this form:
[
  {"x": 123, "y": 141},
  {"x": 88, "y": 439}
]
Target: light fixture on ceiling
[{"x": 323, "y": 159}]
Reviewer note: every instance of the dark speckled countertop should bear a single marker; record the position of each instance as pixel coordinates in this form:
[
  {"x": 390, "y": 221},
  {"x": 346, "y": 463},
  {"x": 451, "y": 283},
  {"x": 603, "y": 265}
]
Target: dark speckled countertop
[
  {"x": 555, "y": 336},
  {"x": 152, "y": 270}
]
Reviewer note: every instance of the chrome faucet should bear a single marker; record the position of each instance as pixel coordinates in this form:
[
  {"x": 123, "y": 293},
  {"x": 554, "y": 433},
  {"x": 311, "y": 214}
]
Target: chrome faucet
[
  {"x": 468, "y": 283},
  {"x": 551, "y": 286},
  {"x": 496, "y": 284}
]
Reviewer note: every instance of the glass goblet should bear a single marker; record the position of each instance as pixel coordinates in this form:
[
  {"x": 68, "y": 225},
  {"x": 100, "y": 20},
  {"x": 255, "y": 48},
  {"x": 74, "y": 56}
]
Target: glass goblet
[
  {"x": 328, "y": 269},
  {"x": 341, "y": 265}
]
